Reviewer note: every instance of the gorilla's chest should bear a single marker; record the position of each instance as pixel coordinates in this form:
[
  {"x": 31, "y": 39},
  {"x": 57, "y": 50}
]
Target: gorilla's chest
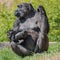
[{"x": 30, "y": 23}]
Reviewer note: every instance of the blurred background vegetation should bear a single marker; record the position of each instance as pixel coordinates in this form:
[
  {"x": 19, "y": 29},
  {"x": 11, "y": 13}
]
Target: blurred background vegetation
[{"x": 7, "y": 18}]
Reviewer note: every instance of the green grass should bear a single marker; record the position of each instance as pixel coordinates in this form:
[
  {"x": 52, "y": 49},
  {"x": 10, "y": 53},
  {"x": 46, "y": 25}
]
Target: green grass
[
  {"x": 52, "y": 8},
  {"x": 8, "y": 54}
]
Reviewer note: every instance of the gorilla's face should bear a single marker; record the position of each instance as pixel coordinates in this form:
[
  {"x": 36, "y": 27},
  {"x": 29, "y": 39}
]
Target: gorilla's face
[{"x": 23, "y": 9}]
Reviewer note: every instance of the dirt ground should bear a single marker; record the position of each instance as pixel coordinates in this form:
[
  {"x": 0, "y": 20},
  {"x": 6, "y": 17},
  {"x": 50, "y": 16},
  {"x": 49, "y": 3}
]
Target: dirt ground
[{"x": 55, "y": 57}]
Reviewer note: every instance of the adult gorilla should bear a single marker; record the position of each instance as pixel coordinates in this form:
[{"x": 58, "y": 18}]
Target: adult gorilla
[{"x": 29, "y": 33}]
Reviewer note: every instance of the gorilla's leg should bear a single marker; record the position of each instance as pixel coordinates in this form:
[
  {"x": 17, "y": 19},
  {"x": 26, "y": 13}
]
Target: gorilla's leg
[
  {"x": 42, "y": 43},
  {"x": 19, "y": 49}
]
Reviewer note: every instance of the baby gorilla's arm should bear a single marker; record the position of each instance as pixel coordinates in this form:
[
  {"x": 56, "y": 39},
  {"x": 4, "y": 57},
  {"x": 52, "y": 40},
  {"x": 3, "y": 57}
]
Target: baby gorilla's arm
[{"x": 21, "y": 35}]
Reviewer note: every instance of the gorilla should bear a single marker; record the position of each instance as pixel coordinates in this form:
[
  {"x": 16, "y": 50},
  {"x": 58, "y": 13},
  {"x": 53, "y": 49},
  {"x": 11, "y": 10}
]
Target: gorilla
[{"x": 30, "y": 30}]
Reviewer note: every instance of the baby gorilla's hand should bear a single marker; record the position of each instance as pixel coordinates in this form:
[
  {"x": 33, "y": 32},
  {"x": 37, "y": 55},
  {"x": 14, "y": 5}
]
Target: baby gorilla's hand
[{"x": 10, "y": 34}]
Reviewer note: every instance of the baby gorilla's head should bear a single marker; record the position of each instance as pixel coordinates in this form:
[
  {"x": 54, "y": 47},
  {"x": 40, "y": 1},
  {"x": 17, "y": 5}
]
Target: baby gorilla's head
[
  {"x": 41, "y": 10},
  {"x": 23, "y": 9}
]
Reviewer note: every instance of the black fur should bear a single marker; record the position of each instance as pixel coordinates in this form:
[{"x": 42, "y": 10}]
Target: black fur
[{"x": 32, "y": 27}]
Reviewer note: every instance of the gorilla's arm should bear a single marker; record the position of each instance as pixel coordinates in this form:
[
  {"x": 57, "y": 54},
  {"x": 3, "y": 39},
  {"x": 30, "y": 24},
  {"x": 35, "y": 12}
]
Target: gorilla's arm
[
  {"x": 21, "y": 35},
  {"x": 44, "y": 29},
  {"x": 13, "y": 31},
  {"x": 44, "y": 24},
  {"x": 16, "y": 31},
  {"x": 16, "y": 25}
]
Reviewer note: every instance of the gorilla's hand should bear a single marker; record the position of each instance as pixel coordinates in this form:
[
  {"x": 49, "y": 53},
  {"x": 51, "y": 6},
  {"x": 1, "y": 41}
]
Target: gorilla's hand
[{"x": 10, "y": 35}]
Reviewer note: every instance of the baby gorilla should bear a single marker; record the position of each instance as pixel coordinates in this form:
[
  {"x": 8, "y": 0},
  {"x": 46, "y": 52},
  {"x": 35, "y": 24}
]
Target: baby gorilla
[
  {"x": 23, "y": 44},
  {"x": 30, "y": 28}
]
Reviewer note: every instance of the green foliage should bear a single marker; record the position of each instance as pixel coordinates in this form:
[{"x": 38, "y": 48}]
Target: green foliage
[
  {"x": 52, "y": 8},
  {"x": 8, "y": 54}
]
